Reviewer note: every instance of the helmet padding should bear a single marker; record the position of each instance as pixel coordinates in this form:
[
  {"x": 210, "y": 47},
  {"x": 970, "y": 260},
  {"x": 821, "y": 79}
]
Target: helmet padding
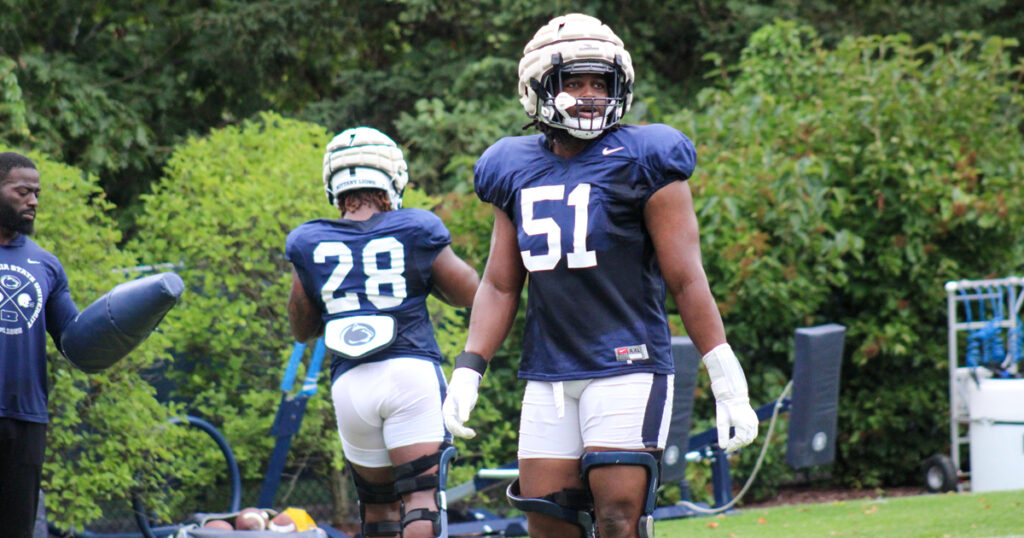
[
  {"x": 364, "y": 158},
  {"x": 575, "y": 44}
]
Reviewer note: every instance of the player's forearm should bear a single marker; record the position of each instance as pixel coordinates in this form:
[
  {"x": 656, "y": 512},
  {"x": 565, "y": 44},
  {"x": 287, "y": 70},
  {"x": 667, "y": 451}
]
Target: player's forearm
[
  {"x": 700, "y": 316},
  {"x": 455, "y": 280},
  {"x": 494, "y": 311},
  {"x": 464, "y": 290},
  {"x": 305, "y": 326},
  {"x": 303, "y": 317}
]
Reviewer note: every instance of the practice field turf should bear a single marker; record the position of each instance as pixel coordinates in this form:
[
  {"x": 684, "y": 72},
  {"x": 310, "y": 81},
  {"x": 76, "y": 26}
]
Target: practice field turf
[{"x": 953, "y": 514}]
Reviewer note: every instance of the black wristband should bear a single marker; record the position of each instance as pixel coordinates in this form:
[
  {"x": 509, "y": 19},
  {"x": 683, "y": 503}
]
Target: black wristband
[{"x": 472, "y": 361}]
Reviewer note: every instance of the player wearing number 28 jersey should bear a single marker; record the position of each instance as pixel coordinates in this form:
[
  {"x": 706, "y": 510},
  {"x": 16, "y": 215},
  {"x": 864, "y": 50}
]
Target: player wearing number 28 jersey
[
  {"x": 362, "y": 280},
  {"x": 378, "y": 265},
  {"x": 580, "y": 227}
]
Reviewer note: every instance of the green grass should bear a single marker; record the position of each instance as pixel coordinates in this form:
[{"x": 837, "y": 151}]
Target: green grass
[{"x": 953, "y": 514}]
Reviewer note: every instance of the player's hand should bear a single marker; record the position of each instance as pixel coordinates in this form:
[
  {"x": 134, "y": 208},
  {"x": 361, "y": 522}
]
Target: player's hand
[
  {"x": 732, "y": 405},
  {"x": 463, "y": 390},
  {"x": 737, "y": 413}
]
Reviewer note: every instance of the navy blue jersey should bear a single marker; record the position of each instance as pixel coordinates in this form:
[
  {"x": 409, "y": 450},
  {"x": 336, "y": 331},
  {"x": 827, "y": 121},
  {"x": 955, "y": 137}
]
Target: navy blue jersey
[
  {"x": 34, "y": 299},
  {"x": 380, "y": 265},
  {"x": 596, "y": 298}
]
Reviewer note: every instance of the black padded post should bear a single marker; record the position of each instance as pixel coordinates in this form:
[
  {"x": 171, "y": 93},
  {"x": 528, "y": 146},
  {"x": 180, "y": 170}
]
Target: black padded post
[
  {"x": 817, "y": 362},
  {"x": 687, "y": 362}
]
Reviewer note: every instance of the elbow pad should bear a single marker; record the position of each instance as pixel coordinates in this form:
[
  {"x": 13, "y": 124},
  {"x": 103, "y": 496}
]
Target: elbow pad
[{"x": 119, "y": 321}]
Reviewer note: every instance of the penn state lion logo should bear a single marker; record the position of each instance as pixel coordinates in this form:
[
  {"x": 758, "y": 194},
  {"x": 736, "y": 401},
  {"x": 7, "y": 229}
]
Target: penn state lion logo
[
  {"x": 358, "y": 334},
  {"x": 355, "y": 337},
  {"x": 10, "y": 282}
]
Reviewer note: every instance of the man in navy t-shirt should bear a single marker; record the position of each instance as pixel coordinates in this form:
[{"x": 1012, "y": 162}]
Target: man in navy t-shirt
[{"x": 34, "y": 300}]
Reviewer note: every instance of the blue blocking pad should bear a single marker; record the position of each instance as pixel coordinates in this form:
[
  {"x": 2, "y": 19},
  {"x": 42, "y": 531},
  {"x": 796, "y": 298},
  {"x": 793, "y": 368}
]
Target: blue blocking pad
[
  {"x": 817, "y": 364},
  {"x": 119, "y": 321}
]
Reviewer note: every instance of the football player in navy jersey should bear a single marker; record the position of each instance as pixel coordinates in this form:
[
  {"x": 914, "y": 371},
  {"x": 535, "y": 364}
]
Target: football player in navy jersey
[
  {"x": 362, "y": 281},
  {"x": 600, "y": 217}
]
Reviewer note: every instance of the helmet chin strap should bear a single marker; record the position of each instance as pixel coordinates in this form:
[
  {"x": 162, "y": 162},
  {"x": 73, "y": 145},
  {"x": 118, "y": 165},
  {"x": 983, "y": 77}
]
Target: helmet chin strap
[{"x": 584, "y": 135}]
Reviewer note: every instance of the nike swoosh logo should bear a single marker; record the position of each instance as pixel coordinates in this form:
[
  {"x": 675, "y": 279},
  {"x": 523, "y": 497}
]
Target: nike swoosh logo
[
  {"x": 609, "y": 151},
  {"x": 30, "y": 260}
]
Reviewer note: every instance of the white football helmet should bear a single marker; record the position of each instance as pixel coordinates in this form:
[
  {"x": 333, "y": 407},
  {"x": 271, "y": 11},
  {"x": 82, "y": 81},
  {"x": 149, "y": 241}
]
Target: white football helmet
[
  {"x": 570, "y": 45},
  {"x": 364, "y": 158}
]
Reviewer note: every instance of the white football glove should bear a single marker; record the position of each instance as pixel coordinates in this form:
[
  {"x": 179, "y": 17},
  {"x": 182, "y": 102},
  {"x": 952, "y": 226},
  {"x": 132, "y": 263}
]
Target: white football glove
[
  {"x": 463, "y": 390},
  {"x": 732, "y": 405}
]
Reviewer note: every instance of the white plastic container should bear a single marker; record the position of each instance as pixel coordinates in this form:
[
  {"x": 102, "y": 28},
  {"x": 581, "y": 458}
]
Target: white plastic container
[{"x": 997, "y": 434}]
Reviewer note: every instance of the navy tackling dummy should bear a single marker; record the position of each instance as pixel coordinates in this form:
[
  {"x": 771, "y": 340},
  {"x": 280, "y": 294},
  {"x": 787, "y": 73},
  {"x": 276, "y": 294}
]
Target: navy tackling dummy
[
  {"x": 600, "y": 216},
  {"x": 35, "y": 299},
  {"x": 362, "y": 281}
]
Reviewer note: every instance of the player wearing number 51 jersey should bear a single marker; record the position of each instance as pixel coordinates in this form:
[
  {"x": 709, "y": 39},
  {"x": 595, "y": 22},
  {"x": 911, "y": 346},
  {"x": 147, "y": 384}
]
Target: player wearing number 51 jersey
[
  {"x": 598, "y": 217},
  {"x": 362, "y": 281},
  {"x": 581, "y": 234}
]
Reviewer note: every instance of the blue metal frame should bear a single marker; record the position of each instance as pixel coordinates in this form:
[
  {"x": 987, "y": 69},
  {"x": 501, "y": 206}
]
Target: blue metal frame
[{"x": 289, "y": 416}]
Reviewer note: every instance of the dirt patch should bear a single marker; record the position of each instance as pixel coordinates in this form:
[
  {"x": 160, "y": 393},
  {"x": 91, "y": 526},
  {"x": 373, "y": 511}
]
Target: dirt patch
[{"x": 808, "y": 495}]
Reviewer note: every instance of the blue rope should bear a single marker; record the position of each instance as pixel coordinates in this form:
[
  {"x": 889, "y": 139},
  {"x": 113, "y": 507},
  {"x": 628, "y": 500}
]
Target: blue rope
[
  {"x": 985, "y": 344},
  {"x": 973, "y": 343},
  {"x": 995, "y": 352},
  {"x": 1014, "y": 337},
  {"x": 1016, "y": 342}
]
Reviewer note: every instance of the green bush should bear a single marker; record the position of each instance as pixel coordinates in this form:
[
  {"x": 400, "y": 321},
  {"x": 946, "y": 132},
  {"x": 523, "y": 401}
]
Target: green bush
[
  {"x": 222, "y": 211},
  {"x": 445, "y": 143},
  {"x": 848, "y": 186}
]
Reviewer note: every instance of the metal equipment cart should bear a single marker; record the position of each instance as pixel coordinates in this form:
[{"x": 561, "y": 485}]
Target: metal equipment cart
[{"x": 986, "y": 392}]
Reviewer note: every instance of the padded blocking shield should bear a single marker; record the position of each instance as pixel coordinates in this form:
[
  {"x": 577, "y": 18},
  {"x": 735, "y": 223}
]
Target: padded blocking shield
[
  {"x": 818, "y": 355},
  {"x": 687, "y": 363},
  {"x": 119, "y": 321}
]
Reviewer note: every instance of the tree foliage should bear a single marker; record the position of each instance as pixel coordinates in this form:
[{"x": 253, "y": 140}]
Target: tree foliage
[
  {"x": 12, "y": 107},
  {"x": 112, "y": 86}
]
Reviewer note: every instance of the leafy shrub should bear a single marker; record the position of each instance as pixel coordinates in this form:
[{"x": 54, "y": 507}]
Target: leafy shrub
[
  {"x": 445, "y": 143},
  {"x": 848, "y": 186},
  {"x": 222, "y": 211},
  {"x": 12, "y": 106}
]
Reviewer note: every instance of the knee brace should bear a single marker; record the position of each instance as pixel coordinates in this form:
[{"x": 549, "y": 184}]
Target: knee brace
[
  {"x": 372, "y": 493},
  {"x": 573, "y": 505},
  {"x": 409, "y": 479},
  {"x": 645, "y": 526}
]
